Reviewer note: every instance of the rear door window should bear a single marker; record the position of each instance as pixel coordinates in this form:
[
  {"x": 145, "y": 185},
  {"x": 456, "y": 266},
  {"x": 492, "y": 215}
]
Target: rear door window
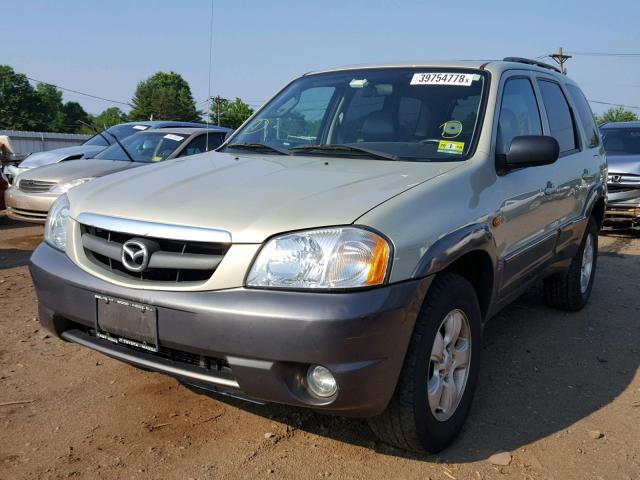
[
  {"x": 559, "y": 115},
  {"x": 519, "y": 113},
  {"x": 589, "y": 126}
]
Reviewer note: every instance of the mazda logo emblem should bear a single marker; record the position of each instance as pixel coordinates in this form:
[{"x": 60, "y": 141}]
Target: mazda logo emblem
[{"x": 135, "y": 255}]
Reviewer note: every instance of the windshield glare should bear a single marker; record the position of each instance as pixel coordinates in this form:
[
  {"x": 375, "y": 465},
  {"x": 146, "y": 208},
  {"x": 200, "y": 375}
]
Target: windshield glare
[
  {"x": 414, "y": 114},
  {"x": 621, "y": 141},
  {"x": 144, "y": 147}
]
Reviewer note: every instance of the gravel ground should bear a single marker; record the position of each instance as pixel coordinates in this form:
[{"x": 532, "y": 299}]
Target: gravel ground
[{"x": 559, "y": 393}]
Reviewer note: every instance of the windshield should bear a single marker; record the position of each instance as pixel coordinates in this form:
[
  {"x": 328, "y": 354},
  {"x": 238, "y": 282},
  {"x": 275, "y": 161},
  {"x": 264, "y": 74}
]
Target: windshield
[
  {"x": 144, "y": 147},
  {"x": 621, "y": 141},
  {"x": 404, "y": 113},
  {"x": 121, "y": 131}
]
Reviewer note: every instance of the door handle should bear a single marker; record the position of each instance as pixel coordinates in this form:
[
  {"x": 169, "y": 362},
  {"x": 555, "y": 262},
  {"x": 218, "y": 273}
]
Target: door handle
[
  {"x": 550, "y": 189},
  {"x": 585, "y": 175}
]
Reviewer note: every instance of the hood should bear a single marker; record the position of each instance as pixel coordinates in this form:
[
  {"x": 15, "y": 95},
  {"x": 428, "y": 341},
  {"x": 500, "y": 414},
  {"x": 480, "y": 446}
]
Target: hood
[
  {"x": 252, "y": 196},
  {"x": 39, "y": 159},
  {"x": 624, "y": 164},
  {"x": 74, "y": 169}
]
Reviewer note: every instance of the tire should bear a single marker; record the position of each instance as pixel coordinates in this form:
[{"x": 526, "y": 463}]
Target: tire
[
  {"x": 410, "y": 422},
  {"x": 568, "y": 291}
]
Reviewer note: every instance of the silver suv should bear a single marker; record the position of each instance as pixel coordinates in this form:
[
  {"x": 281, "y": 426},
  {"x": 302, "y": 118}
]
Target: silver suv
[{"x": 343, "y": 249}]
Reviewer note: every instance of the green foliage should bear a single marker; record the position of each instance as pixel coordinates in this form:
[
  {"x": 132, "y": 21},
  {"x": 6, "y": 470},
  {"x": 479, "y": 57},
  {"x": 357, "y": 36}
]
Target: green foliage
[
  {"x": 23, "y": 107},
  {"x": 19, "y": 102},
  {"x": 51, "y": 107},
  {"x": 617, "y": 114},
  {"x": 73, "y": 116},
  {"x": 109, "y": 117},
  {"x": 227, "y": 113},
  {"x": 164, "y": 96}
]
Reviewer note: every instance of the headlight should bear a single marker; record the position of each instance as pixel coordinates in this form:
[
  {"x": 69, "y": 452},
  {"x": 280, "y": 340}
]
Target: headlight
[
  {"x": 55, "y": 230},
  {"x": 65, "y": 187},
  {"x": 344, "y": 257}
]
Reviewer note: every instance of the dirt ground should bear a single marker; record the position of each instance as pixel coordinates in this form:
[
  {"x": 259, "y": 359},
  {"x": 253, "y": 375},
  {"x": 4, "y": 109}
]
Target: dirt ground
[{"x": 560, "y": 392}]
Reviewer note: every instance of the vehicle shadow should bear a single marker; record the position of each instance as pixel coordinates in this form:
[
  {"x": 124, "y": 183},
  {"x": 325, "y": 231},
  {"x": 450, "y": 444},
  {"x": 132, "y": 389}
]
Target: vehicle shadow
[
  {"x": 17, "y": 241},
  {"x": 543, "y": 370},
  {"x": 8, "y": 224}
]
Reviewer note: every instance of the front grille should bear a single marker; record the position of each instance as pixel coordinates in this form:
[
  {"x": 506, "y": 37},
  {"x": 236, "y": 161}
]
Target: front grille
[
  {"x": 173, "y": 261},
  {"x": 35, "y": 186},
  {"x": 616, "y": 188}
]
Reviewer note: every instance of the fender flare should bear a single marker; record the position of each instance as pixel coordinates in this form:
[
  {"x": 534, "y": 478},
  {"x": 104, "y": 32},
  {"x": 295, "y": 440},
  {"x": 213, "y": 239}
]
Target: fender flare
[{"x": 446, "y": 250}]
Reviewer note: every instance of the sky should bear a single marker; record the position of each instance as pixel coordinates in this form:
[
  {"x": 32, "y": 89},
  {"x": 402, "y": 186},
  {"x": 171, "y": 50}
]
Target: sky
[{"x": 106, "y": 47}]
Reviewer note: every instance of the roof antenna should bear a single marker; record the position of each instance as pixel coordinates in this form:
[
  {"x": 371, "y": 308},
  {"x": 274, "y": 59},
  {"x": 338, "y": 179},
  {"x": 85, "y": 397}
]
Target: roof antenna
[{"x": 206, "y": 147}]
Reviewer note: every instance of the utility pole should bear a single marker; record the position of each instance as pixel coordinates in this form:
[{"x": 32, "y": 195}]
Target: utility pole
[{"x": 560, "y": 59}]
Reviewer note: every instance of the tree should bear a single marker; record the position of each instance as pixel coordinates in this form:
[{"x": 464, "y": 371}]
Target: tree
[
  {"x": 74, "y": 115},
  {"x": 164, "y": 96},
  {"x": 19, "y": 102},
  {"x": 109, "y": 117},
  {"x": 617, "y": 114},
  {"x": 51, "y": 114},
  {"x": 230, "y": 114}
]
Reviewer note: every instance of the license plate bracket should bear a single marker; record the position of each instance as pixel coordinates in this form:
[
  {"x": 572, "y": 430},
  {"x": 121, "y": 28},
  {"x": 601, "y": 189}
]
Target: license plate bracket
[{"x": 126, "y": 322}]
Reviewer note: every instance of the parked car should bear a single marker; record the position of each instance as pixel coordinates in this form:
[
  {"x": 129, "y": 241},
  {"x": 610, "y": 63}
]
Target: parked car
[
  {"x": 343, "y": 249},
  {"x": 622, "y": 144},
  {"x": 91, "y": 147},
  {"x": 33, "y": 193}
]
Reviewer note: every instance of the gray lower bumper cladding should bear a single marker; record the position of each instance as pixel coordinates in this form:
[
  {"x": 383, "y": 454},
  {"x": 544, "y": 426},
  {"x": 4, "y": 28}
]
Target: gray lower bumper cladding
[{"x": 255, "y": 343}]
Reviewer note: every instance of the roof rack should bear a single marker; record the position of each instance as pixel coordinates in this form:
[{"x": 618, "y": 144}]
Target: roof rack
[{"x": 529, "y": 61}]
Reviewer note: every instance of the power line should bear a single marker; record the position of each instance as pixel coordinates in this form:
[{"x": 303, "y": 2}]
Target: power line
[
  {"x": 80, "y": 93},
  {"x": 615, "y": 104},
  {"x": 605, "y": 54}
]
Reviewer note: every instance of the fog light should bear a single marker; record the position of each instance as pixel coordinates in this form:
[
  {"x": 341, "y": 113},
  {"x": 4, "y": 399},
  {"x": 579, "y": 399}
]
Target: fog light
[{"x": 320, "y": 381}]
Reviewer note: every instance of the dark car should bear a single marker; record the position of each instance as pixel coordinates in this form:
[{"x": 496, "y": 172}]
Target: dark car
[{"x": 622, "y": 143}]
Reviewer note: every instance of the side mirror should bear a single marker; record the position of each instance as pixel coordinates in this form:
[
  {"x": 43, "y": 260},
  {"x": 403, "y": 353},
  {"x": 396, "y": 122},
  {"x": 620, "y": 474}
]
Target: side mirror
[{"x": 528, "y": 151}]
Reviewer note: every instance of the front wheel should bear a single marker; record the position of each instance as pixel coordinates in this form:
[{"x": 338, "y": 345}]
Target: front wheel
[
  {"x": 572, "y": 289},
  {"x": 436, "y": 384}
]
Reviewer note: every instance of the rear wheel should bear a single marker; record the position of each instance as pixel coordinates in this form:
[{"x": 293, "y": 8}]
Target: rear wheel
[
  {"x": 436, "y": 385},
  {"x": 571, "y": 290}
]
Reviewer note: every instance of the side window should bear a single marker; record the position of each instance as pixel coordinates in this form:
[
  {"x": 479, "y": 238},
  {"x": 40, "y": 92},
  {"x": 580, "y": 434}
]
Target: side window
[
  {"x": 195, "y": 146},
  {"x": 215, "y": 140},
  {"x": 559, "y": 115},
  {"x": 586, "y": 116},
  {"x": 519, "y": 114}
]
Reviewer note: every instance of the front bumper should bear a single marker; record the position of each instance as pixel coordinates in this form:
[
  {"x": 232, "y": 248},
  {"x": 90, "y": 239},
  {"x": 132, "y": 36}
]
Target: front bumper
[
  {"x": 265, "y": 340},
  {"x": 28, "y": 207}
]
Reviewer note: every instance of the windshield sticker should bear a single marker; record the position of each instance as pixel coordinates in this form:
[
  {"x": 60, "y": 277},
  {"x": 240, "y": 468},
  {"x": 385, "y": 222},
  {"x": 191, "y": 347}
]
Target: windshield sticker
[
  {"x": 175, "y": 138},
  {"x": 451, "y": 129},
  {"x": 447, "y": 146},
  {"x": 458, "y": 79},
  {"x": 140, "y": 127}
]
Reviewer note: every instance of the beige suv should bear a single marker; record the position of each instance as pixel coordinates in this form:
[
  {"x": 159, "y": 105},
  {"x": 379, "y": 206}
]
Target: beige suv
[{"x": 342, "y": 250}]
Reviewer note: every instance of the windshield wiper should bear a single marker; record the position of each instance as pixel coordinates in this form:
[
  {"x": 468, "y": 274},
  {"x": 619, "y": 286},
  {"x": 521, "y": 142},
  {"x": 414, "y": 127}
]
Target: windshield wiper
[
  {"x": 259, "y": 146},
  {"x": 121, "y": 146},
  {"x": 345, "y": 148},
  {"x": 98, "y": 132}
]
